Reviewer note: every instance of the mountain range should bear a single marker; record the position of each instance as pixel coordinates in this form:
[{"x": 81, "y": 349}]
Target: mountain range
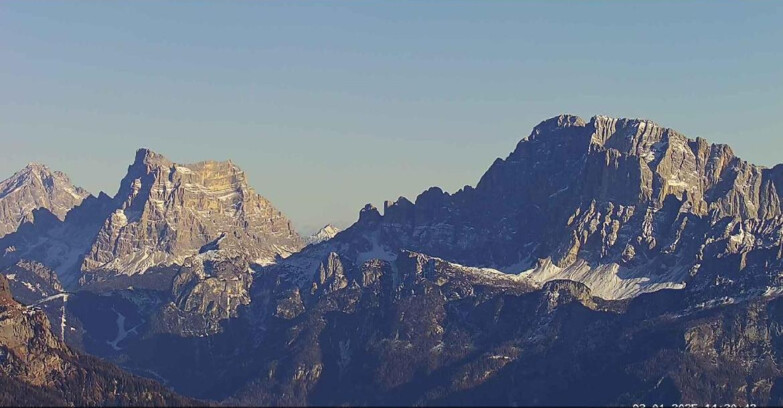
[{"x": 602, "y": 262}]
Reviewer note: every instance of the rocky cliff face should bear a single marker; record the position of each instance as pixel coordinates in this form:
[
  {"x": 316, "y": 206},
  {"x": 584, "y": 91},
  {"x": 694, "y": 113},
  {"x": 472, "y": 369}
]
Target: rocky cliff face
[
  {"x": 167, "y": 212},
  {"x": 207, "y": 291},
  {"x": 34, "y": 187}
]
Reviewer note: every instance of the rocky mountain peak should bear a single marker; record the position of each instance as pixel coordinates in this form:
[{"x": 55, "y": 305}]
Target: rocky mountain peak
[
  {"x": 636, "y": 161},
  {"x": 35, "y": 167},
  {"x": 167, "y": 211},
  {"x": 326, "y": 233},
  {"x": 34, "y": 187},
  {"x": 39, "y": 175}
]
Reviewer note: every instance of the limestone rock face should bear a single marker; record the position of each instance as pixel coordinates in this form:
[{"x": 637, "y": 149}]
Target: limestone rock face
[
  {"x": 206, "y": 292},
  {"x": 331, "y": 275},
  {"x": 166, "y": 212},
  {"x": 34, "y": 187}
]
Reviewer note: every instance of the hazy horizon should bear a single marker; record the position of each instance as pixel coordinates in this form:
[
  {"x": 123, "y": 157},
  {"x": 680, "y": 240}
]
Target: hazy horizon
[{"x": 330, "y": 106}]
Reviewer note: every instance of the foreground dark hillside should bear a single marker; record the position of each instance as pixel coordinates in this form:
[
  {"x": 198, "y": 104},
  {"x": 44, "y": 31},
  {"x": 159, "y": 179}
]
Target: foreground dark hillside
[{"x": 37, "y": 369}]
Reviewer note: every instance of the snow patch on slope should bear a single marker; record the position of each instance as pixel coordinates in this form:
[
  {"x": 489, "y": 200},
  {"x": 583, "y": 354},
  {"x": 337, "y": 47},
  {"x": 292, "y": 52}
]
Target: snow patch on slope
[
  {"x": 122, "y": 333},
  {"x": 610, "y": 281}
]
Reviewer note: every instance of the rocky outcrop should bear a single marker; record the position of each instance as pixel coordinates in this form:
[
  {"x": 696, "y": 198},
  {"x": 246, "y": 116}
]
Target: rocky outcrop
[
  {"x": 207, "y": 290},
  {"x": 28, "y": 349},
  {"x": 331, "y": 275},
  {"x": 34, "y": 187}
]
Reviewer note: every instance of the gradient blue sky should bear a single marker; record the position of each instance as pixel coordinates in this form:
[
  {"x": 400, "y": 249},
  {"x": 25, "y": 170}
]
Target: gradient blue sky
[{"x": 330, "y": 105}]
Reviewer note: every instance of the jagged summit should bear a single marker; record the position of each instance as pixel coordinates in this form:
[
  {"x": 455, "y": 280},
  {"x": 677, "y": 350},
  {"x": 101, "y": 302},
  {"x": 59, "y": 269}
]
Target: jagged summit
[
  {"x": 653, "y": 161},
  {"x": 36, "y": 167},
  {"x": 600, "y": 125},
  {"x": 40, "y": 173},
  {"x": 167, "y": 211},
  {"x": 145, "y": 156},
  {"x": 32, "y": 166},
  {"x": 326, "y": 233},
  {"x": 34, "y": 187}
]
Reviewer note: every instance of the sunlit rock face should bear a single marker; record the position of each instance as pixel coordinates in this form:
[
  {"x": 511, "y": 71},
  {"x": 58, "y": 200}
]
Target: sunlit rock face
[
  {"x": 34, "y": 187},
  {"x": 206, "y": 291},
  {"x": 29, "y": 350},
  {"x": 167, "y": 212}
]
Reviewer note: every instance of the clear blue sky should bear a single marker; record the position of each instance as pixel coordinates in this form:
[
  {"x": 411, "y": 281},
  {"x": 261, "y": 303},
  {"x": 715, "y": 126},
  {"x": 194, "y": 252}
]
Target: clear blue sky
[{"x": 330, "y": 105}]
